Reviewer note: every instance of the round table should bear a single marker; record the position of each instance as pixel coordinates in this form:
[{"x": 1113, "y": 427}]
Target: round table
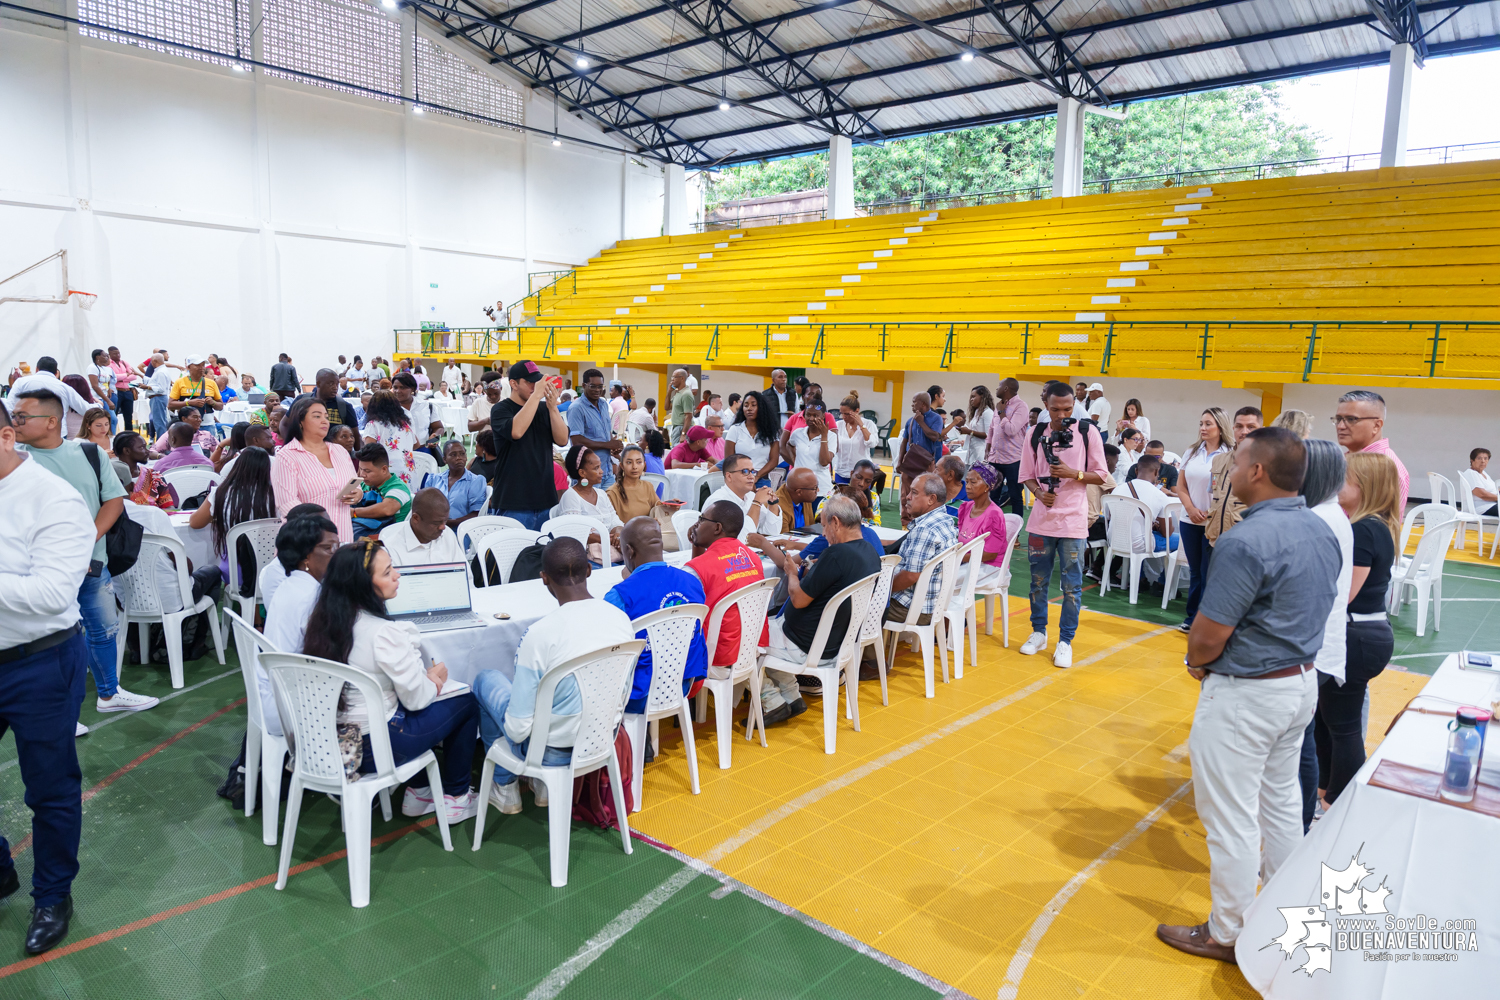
[
  {"x": 199, "y": 542},
  {"x": 680, "y": 484}
]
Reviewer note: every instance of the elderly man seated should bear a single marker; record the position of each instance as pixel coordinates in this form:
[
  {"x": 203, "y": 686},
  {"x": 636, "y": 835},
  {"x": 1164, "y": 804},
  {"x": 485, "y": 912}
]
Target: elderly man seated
[
  {"x": 581, "y": 624},
  {"x": 798, "y": 498},
  {"x": 758, "y": 505},
  {"x": 724, "y": 564},
  {"x": 692, "y": 451},
  {"x": 424, "y": 537},
  {"x": 953, "y": 470},
  {"x": 848, "y": 559},
  {"x": 932, "y": 530},
  {"x": 649, "y": 584}
]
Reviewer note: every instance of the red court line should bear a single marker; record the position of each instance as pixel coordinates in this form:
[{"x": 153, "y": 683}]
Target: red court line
[
  {"x": 101, "y": 786},
  {"x": 197, "y": 904}
]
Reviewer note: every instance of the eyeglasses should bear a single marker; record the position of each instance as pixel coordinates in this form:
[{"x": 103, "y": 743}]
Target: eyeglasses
[
  {"x": 746, "y": 471},
  {"x": 19, "y": 419},
  {"x": 1341, "y": 420}
]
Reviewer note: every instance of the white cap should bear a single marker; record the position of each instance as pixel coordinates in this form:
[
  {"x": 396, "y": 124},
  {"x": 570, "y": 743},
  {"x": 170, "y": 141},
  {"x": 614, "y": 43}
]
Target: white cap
[
  {"x": 1096, "y": 387},
  {"x": 193, "y": 359}
]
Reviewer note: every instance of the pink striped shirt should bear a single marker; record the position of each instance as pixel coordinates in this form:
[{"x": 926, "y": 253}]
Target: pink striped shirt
[
  {"x": 298, "y": 477},
  {"x": 1383, "y": 447}
]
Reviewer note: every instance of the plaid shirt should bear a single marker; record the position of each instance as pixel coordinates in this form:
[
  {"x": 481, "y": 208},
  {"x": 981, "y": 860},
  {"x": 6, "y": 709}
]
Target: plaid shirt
[{"x": 930, "y": 534}]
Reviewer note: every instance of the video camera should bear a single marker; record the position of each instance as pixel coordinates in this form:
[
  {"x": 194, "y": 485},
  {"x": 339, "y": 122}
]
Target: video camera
[{"x": 1060, "y": 438}]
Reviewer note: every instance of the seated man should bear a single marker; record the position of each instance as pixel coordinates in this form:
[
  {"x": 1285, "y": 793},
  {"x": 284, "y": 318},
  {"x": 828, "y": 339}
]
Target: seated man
[
  {"x": 693, "y": 450},
  {"x": 759, "y": 506},
  {"x": 273, "y": 574},
  {"x": 303, "y": 547},
  {"x": 581, "y": 624},
  {"x": 713, "y": 448},
  {"x": 1147, "y": 535},
  {"x": 387, "y": 499},
  {"x": 649, "y": 584},
  {"x": 848, "y": 559},
  {"x": 932, "y": 530},
  {"x": 953, "y": 470},
  {"x": 1479, "y": 484},
  {"x": 1094, "y": 558},
  {"x": 424, "y": 537},
  {"x": 1167, "y": 478},
  {"x": 180, "y": 454},
  {"x": 724, "y": 564},
  {"x": 797, "y": 499}
]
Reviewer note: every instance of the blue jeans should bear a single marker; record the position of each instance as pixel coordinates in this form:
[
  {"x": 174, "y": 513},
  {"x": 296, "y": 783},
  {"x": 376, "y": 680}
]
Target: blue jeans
[
  {"x": 1161, "y": 543},
  {"x": 492, "y": 689},
  {"x": 452, "y": 724},
  {"x": 1068, "y": 553},
  {"x": 39, "y": 700},
  {"x": 530, "y": 519},
  {"x": 101, "y": 626},
  {"x": 159, "y": 420},
  {"x": 1195, "y": 545}
]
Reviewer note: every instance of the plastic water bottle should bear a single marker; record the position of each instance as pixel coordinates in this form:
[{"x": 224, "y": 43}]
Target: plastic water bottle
[{"x": 1465, "y": 748}]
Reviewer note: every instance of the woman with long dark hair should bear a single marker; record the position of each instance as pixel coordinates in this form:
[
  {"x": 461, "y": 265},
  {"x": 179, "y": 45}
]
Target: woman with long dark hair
[
  {"x": 387, "y": 424},
  {"x": 225, "y": 451},
  {"x": 243, "y": 495},
  {"x": 309, "y": 470},
  {"x": 349, "y": 625},
  {"x": 655, "y": 445},
  {"x": 756, "y": 432}
]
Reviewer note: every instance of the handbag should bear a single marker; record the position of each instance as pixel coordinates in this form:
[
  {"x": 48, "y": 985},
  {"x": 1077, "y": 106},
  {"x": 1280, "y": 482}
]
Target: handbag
[
  {"x": 122, "y": 543},
  {"x": 917, "y": 457}
]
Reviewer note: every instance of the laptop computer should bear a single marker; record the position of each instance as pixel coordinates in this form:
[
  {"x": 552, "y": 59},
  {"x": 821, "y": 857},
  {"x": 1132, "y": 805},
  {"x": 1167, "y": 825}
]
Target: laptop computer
[{"x": 434, "y": 597}]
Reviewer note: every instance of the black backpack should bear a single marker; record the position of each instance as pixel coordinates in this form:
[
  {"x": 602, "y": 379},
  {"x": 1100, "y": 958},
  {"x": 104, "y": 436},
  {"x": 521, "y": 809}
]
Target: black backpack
[
  {"x": 528, "y": 564},
  {"x": 122, "y": 543}
]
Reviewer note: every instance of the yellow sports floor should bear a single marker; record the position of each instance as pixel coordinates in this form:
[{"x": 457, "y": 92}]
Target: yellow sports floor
[{"x": 1019, "y": 835}]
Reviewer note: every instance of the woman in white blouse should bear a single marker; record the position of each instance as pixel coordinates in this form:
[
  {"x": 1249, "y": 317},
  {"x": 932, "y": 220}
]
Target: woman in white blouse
[
  {"x": 813, "y": 446},
  {"x": 349, "y": 625},
  {"x": 1133, "y": 416},
  {"x": 1193, "y": 487},
  {"x": 583, "y": 468},
  {"x": 756, "y": 432},
  {"x": 854, "y": 435}
]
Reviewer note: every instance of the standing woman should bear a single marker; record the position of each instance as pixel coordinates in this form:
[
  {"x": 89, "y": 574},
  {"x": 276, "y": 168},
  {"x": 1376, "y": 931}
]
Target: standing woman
[
  {"x": 102, "y": 381},
  {"x": 349, "y": 625},
  {"x": 754, "y": 433},
  {"x": 976, "y": 428},
  {"x": 126, "y": 375},
  {"x": 1372, "y": 498},
  {"x": 1193, "y": 488},
  {"x": 1133, "y": 416},
  {"x": 308, "y": 469},
  {"x": 853, "y": 444},
  {"x": 244, "y": 495},
  {"x": 386, "y": 423}
]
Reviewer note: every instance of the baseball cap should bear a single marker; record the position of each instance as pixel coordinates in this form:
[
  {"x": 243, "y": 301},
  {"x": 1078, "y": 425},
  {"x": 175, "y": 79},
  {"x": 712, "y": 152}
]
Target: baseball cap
[
  {"x": 193, "y": 359},
  {"x": 525, "y": 370},
  {"x": 1096, "y": 387}
]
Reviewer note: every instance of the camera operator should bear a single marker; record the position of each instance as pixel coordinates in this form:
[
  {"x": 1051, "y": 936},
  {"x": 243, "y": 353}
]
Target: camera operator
[{"x": 1062, "y": 461}]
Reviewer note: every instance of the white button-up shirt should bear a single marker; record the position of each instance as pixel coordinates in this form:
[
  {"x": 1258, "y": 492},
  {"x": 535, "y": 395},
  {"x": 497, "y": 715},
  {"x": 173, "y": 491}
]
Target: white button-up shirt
[
  {"x": 401, "y": 542},
  {"x": 46, "y": 380},
  {"x": 46, "y": 542}
]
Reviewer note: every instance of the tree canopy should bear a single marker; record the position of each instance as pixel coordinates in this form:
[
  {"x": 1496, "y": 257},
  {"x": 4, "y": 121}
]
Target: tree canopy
[{"x": 1214, "y": 129}]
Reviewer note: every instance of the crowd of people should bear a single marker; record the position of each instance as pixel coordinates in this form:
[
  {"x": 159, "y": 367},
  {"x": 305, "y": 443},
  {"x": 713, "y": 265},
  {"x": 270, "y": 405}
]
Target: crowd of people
[{"x": 1289, "y": 542}]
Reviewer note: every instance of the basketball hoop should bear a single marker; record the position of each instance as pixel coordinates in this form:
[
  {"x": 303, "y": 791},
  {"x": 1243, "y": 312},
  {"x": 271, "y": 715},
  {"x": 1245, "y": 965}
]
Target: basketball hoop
[{"x": 85, "y": 300}]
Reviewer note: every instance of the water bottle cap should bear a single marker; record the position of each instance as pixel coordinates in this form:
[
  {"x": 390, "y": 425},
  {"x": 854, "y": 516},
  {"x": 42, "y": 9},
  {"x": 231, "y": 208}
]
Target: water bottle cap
[{"x": 1468, "y": 715}]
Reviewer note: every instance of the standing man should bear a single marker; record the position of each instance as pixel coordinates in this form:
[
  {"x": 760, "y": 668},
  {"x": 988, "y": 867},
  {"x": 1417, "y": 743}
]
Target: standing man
[
  {"x": 1360, "y": 423},
  {"x": 454, "y": 376},
  {"x": 45, "y": 377},
  {"x": 38, "y": 420},
  {"x": 787, "y": 398},
  {"x": 284, "y": 379},
  {"x": 1059, "y": 526},
  {"x": 340, "y": 411},
  {"x": 682, "y": 405},
  {"x": 1099, "y": 408},
  {"x": 1258, "y": 629},
  {"x": 921, "y": 443},
  {"x": 45, "y": 550},
  {"x": 527, "y": 427},
  {"x": 589, "y": 424},
  {"x": 195, "y": 389},
  {"x": 1224, "y": 510},
  {"x": 1003, "y": 445},
  {"x": 158, "y": 390}
]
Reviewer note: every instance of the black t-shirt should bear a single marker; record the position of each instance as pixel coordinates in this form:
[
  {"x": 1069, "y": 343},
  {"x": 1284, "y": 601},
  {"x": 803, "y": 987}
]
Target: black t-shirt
[
  {"x": 484, "y": 468},
  {"x": 1167, "y": 480},
  {"x": 523, "y": 468},
  {"x": 838, "y": 566},
  {"x": 1373, "y": 547},
  {"x": 340, "y": 411}
]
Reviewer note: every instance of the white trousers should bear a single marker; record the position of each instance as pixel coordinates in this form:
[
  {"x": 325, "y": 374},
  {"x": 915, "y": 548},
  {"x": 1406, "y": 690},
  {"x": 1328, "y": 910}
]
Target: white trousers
[{"x": 1246, "y": 746}]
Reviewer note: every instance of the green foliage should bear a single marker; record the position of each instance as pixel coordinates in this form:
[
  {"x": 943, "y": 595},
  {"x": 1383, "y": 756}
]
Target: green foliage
[{"x": 1215, "y": 129}]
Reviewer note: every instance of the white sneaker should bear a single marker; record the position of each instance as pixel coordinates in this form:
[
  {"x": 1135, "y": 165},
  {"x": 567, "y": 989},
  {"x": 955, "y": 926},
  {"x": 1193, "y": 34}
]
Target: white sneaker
[
  {"x": 417, "y": 802},
  {"x": 461, "y": 807},
  {"x": 82, "y": 730},
  {"x": 539, "y": 790},
  {"x": 506, "y": 798},
  {"x": 124, "y": 701},
  {"x": 1063, "y": 656},
  {"x": 1035, "y": 644}
]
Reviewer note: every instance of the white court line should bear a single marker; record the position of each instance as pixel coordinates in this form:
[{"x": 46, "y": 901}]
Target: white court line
[
  {"x": 1011, "y": 988},
  {"x": 595, "y": 947}
]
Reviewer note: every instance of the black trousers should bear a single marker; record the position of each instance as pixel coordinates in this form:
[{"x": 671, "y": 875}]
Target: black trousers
[
  {"x": 127, "y": 410},
  {"x": 1336, "y": 724},
  {"x": 1009, "y": 485}
]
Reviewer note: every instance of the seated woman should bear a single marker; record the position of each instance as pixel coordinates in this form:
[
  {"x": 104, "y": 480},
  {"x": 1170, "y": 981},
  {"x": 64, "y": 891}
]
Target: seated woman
[
  {"x": 225, "y": 451},
  {"x": 980, "y": 515},
  {"x": 95, "y": 429},
  {"x": 655, "y": 449},
  {"x": 244, "y": 495},
  {"x": 583, "y": 467},
  {"x": 631, "y": 495},
  {"x": 349, "y": 625},
  {"x": 202, "y": 440}
]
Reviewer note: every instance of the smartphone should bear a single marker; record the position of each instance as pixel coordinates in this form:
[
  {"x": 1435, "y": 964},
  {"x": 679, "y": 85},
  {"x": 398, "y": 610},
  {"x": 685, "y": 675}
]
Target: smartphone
[
  {"x": 1481, "y": 660},
  {"x": 555, "y": 380},
  {"x": 354, "y": 484}
]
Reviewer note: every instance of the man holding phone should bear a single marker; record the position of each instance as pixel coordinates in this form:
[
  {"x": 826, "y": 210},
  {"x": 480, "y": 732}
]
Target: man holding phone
[{"x": 527, "y": 426}]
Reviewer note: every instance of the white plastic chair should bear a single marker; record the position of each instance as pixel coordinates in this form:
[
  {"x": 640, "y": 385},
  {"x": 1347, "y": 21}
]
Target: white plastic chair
[
  {"x": 476, "y": 529},
  {"x": 1468, "y": 509},
  {"x": 603, "y": 681},
  {"x": 426, "y": 466},
  {"x": 504, "y": 545},
  {"x": 858, "y": 595},
  {"x": 1445, "y": 493},
  {"x": 309, "y": 689},
  {"x": 261, "y": 534},
  {"x": 1424, "y": 574},
  {"x": 190, "y": 480},
  {"x": 264, "y": 752},
  {"x": 657, "y": 479},
  {"x": 1122, "y": 514},
  {"x": 669, "y": 636},
  {"x": 959, "y": 609},
  {"x": 871, "y": 633},
  {"x": 1001, "y": 588},
  {"x": 753, "y": 601},
  {"x": 681, "y": 522},
  {"x": 704, "y": 487},
  {"x": 144, "y": 606},
  {"x": 1432, "y": 516},
  {"x": 930, "y": 635},
  {"x": 1177, "y": 571},
  {"x": 579, "y": 526}
]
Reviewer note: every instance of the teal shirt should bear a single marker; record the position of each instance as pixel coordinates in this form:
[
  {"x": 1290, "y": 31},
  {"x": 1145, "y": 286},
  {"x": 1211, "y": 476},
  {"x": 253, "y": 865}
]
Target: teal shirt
[{"x": 69, "y": 462}]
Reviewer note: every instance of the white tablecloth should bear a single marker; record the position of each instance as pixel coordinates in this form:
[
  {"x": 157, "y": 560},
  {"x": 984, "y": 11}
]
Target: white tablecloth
[
  {"x": 680, "y": 484},
  {"x": 199, "y": 542},
  {"x": 1434, "y": 859}
]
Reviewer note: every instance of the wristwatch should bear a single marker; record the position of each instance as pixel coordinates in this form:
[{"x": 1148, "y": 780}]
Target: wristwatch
[{"x": 1080, "y": 475}]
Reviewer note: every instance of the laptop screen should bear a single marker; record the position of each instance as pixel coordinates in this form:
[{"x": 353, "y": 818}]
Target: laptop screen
[{"x": 441, "y": 587}]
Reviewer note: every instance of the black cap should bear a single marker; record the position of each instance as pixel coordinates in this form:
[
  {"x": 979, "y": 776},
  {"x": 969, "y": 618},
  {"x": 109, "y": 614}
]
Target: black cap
[{"x": 526, "y": 370}]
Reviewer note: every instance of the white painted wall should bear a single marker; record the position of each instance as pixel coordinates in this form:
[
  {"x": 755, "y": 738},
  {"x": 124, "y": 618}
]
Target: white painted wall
[{"x": 220, "y": 211}]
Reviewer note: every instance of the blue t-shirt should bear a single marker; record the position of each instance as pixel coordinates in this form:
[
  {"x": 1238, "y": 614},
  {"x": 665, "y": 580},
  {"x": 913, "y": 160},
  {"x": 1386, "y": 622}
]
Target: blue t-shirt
[{"x": 651, "y": 587}]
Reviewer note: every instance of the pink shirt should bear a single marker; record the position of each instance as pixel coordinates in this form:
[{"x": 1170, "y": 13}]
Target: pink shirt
[
  {"x": 1383, "y": 447},
  {"x": 298, "y": 477},
  {"x": 1007, "y": 432},
  {"x": 1068, "y": 517},
  {"x": 971, "y": 527},
  {"x": 682, "y": 453}
]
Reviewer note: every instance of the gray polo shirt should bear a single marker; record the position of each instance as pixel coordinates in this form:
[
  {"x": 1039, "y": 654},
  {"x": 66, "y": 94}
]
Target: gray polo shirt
[{"x": 1273, "y": 578}]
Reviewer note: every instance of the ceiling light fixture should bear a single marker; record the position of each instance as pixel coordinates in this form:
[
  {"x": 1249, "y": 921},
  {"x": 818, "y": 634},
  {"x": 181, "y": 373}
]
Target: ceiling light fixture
[
  {"x": 723, "y": 105},
  {"x": 967, "y": 57},
  {"x": 388, "y": 4},
  {"x": 417, "y": 108},
  {"x": 581, "y": 63},
  {"x": 556, "y": 142}
]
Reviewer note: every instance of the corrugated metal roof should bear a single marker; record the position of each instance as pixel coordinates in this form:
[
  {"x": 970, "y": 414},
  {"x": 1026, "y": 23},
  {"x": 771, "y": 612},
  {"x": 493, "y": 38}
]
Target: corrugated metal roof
[{"x": 884, "y": 75}]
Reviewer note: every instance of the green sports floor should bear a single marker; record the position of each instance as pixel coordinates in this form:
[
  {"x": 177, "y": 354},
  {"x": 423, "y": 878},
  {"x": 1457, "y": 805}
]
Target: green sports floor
[{"x": 175, "y": 899}]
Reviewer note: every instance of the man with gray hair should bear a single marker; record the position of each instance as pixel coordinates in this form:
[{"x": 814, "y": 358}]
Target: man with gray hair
[
  {"x": 933, "y": 529},
  {"x": 1360, "y": 423},
  {"x": 847, "y": 559}
]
